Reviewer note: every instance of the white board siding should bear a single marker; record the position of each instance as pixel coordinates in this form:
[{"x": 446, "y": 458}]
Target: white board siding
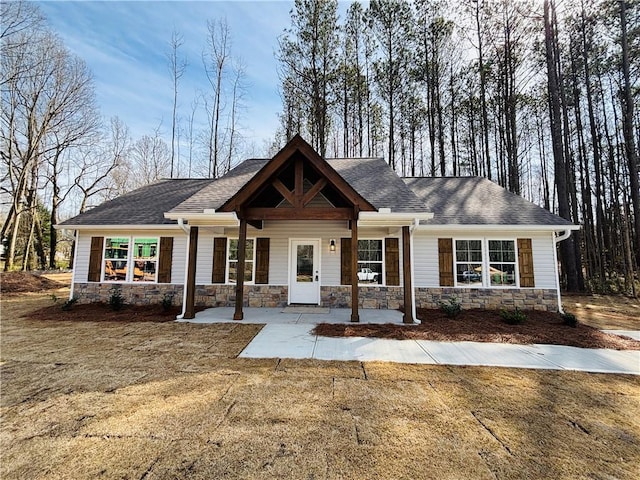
[
  {"x": 204, "y": 257},
  {"x": 425, "y": 259},
  {"x": 178, "y": 259},
  {"x": 83, "y": 250},
  {"x": 544, "y": 270},
  {"x": 426, "y": 256}
]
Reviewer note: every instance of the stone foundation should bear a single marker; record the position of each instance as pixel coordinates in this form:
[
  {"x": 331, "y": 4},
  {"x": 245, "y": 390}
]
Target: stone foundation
[
  {"x": 492, "y": 299},
  {"x": 264, "y": 296},
  {"x": 368, "y": 297},
  {"x": 275, "y": 296},
  {"x": 136, "y": 294}
]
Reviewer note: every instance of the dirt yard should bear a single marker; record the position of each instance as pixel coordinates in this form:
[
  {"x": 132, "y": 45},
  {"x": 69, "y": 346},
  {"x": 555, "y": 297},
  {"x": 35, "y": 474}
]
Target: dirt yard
[{"x": 160, "y": 400}]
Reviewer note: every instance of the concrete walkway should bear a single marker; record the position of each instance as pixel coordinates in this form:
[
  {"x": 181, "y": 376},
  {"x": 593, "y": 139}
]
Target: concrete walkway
[{"x": 287, "y": 334}]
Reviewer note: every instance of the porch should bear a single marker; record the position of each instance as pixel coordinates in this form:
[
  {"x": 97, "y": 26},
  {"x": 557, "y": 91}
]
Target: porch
[{"x": 296, "y": 315}]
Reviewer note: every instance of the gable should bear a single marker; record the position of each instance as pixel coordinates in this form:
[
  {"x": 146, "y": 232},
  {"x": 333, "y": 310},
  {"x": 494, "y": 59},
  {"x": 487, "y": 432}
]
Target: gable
[{"x": 282, "y": 181}]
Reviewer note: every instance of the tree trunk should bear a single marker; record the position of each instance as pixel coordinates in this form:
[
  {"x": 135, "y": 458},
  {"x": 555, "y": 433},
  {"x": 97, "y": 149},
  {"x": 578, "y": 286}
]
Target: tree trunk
[
  {"x": 627, "y": 124},
  {"x": 567, "y": 248}
]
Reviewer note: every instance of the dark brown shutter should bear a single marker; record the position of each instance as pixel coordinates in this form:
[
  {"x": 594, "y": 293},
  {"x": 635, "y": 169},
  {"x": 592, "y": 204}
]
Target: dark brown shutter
[
  {"x": 525, "y": 262},
  {"x": 95, "y": 259},
  {"x": 392, "y": 261},
  {"x": 165, "y": 260},
  {"x": 262, "y": 260},
  {"x": 219, "y": 259},
  {"x": 445, "y": 261},
  {"x": 345, "y": 261}
]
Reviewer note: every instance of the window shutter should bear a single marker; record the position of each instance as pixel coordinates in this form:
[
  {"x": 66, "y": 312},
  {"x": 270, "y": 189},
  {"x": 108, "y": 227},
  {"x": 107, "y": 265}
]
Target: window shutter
[
  {"x": 445, "y": 261},
  {"x": 345, "y": 261},
  {"x": 392, "y": 261},
  {"x": 95, "y": 259},
  {"x": 525, "y": 262},
  {"x": 165, "y": 260},
  {"x": 219, "y": 259},
  {"x": 262, "y": 260}
]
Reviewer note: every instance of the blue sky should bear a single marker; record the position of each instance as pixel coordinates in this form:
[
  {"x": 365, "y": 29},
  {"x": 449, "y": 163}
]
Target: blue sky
[{"x": 125, "y": 45}]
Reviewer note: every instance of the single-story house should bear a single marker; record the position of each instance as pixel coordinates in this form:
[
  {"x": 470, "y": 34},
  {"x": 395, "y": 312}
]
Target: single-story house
[{"x": 301, "y": 229}]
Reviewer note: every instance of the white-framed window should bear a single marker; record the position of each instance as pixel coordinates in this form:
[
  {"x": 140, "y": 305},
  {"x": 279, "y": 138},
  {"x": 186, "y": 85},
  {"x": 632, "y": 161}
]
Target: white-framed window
[
  {"x": 120, "y": 263},
  {"x": 370, "y": 261},
  {"x": 468, "y": 263},
  {"x": 482, "y": 262},
  {"x": 249, "y": 260},
  {"x": 502, "y": 263}
]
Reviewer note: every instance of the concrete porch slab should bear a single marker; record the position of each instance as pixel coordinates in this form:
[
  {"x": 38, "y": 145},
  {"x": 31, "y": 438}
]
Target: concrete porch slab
[{"x": 295, "y": 316}]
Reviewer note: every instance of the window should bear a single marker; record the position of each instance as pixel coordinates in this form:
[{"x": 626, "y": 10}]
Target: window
[
  {"x": 502, "y": 263},
  {"x": 485, "y": 263},
  {"x": 370, "y": 262},
  {"x": 117, "y": 259},
  {"x": 249, "y": 261},
  {"x": 145, "y": 255},
  {"x": 469, "y": 262}
]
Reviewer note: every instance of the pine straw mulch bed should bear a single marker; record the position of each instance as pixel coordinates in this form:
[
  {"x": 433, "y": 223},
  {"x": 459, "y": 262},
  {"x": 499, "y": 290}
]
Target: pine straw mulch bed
[
  {"x": 478, "y": 325},
  {"x": 23, "y": 282},
  {"x": 102, "y": 312}
]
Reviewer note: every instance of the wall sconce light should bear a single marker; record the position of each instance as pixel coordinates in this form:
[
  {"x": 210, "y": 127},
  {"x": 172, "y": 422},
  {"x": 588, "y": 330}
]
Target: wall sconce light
[{"x": 332, "y": 245}]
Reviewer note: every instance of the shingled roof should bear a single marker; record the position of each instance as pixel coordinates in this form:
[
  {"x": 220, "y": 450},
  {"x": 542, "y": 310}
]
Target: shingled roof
[
  {"x": 372, "y": 178},
  {"x": 453, "y": 200},
  {"x": 477, "y": 201},
  {"x": 144, "y": 206}
]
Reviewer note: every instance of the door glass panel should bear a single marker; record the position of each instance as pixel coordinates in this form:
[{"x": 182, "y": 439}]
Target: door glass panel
[{"x": 304, "y": 268}]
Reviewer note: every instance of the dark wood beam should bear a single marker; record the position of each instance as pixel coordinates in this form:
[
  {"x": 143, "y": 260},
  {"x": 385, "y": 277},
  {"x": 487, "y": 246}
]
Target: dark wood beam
[
  {"x": 284, "y": 191},
  {"x": 258, "y": 224},
  {"x": 298, "y": 213},
  {"x": 242, "y": 246},
  {"x": 406, "y": 272},
  {"x": 313, "y": 191},
  {"x": 190, "y": 310},
  {"x": 355, "y": 317}
]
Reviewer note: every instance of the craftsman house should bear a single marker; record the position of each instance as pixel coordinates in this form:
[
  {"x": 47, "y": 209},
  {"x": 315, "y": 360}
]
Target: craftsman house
[{"x": 301, "y": 229}]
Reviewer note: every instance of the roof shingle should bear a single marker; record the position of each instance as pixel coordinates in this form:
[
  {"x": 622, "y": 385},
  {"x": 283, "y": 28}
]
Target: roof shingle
[
  {"x": 144, "y": 206},
  {"x": 477, "y": 201}
]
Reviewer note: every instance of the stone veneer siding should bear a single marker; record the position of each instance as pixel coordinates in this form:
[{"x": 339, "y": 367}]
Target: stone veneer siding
[
  {"x": 133, "y": 293},
  {"x": 273, "y": 296},
  {"x": 490, "y": 298}
]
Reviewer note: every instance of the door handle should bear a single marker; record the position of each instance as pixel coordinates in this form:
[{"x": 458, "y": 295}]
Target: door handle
[{"x": 316, "y": 276}]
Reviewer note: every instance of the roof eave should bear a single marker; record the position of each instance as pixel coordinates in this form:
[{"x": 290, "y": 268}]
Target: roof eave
[
  {"x": 162, "y": 226},
  {"x": 391, "y": 219},
  {"x": 213, "y": 218},
  {"x": 496, "y": 227}
]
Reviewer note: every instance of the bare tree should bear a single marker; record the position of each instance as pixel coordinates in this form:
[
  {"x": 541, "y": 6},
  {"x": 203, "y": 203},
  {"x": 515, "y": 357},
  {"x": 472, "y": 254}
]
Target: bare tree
[
  {"x": 177, "y": 67},
  {"x": 48, "y": 107},
  {"x": 215, "y": 62},
  {"x": 101, "y": 170},
  {"x": 150, "y": 160}
]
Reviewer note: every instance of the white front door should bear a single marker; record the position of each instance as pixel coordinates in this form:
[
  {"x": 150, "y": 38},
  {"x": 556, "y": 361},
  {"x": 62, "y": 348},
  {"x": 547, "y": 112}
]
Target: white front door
[{"x": 304, "y": 280}]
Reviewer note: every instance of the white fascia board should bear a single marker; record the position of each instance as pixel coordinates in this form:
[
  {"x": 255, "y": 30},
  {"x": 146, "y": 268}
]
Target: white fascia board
[
  {"x": 206, "y": 217},
  {"x": 117, "y": 227},
  {"x": 494, "y": 227},
  {"x": 393, "y": 219}
]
